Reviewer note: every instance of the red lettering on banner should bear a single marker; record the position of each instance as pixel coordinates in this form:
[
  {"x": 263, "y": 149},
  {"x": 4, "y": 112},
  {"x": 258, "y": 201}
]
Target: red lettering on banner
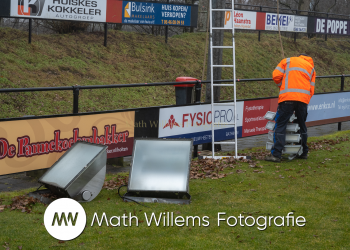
[
  {"x": 199, "y": 117},
  {"x": 192, "y": 118},
  {"x": 12, "y": 151},
  {"x": 184, "y": 120},
  {"x": 208, "y": 116},
  {"x": 22, "y": 142},
  {"x": 27, "y": 149},
  {"x": 3, "y": 147}
]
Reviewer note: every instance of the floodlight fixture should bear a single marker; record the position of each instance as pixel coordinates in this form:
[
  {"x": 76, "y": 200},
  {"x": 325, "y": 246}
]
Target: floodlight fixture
[
  {"x": 270, "y": 115},
  {"x": 290, "y": 138},
  {"x": 270, "y": 125},
  {"x": 160, "y": 171},
  {"x": 292, "y": 127},
  {"x": 288, "y": 149},
  {"x": 79, "y": 173}
]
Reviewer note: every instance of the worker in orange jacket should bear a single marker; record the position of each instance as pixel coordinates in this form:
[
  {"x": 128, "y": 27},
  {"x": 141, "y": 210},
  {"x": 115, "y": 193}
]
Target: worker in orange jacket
[{"x": 295, "y": 78}]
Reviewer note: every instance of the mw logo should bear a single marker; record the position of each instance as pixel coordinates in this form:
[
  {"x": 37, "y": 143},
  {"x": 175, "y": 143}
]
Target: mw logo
[{"x": 64, "y": 218}]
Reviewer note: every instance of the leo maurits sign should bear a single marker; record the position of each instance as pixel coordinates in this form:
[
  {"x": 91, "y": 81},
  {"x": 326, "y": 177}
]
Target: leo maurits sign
[{"x": 38, "y": 143}]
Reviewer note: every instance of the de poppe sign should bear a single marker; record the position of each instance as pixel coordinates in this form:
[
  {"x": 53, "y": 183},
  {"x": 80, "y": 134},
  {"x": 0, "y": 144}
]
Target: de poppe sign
[
  {"x": 195, "y": 122},
  {"x": 331, "y": 26}
]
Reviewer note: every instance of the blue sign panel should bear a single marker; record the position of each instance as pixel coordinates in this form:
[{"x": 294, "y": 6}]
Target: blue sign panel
[
  {"x": 328, "y": 106},
  {"x": 150, "y": 13}
]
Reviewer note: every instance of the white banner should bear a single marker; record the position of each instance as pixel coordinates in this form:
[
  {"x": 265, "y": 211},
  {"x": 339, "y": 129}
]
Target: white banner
[
  {"x": 242, "y": 19},
  {"x": 287, "y": 22},
  {"x": 77, "y": 10},
  {"x": 194, "y": 119}
]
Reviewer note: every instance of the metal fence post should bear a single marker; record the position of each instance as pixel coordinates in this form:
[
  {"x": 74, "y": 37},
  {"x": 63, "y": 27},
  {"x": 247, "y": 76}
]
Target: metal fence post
[
  {"x": 341, "y": 89},
  {"x": 76, "y": 99},
  {"x": 259, "y": 30},
  {"x": 325, "y": 36},
  {"x": 105, "y": 42},
  {"x": 295, "y": 34},
  {"x": 198, "y": 90},
  {"x": 30, "y": 31}
]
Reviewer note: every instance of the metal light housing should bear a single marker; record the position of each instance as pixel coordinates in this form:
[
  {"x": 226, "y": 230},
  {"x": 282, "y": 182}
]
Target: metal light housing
[
  {"x": 290, "y": 138},
  {"x": 270, "y": 115},
  {"x": 160, "y": 171},
  {"x": 288, "y": 149},
  {"x": 79, "y": 173}
]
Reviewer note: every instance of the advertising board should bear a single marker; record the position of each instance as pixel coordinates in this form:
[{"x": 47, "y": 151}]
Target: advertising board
[
  {"x": 253, "y": 117},
  {"x": 242, "y": 19},
  {"x": 77, "y": 10},
  {"x": 195, "y": 122},
  {"x": 289, "y": 23},
  {"x": 328, "y": 106},
  {"x": 330, "y": 26},
  {"x": 150, "y": 13},
  {"x": 32, "y": 144}
]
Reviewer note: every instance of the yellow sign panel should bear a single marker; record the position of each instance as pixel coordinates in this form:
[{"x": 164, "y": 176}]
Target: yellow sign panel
[{"x": 27, "y": 145}]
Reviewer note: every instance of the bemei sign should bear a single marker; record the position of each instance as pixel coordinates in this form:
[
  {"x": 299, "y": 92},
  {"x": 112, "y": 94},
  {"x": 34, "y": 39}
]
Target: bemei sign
[
  {"x": 289, "y": 23},
  {"x": 77, "y": 10},
  {"x": 151, "y": 13},
  {"x": 195, "y": 122}
]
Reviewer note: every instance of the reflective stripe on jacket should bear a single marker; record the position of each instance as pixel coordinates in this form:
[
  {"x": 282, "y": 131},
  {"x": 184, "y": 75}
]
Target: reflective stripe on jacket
[{"x": 295, "y": 77}]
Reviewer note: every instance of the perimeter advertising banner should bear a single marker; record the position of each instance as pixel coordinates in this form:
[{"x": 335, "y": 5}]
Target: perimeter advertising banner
[
  {"x": 38, "y": 143},
  {"x": 195, "y": 122},
  {"x": 253, "y": 117},
  {"x": 289, "y": 23},
  {"x": 77, "y": 10},
  {"x": 329, "y": 26},
  {"x": 150, "y": 13},
  {"x": 328, "y": 106},
  {"x": 242, "y": 19}
]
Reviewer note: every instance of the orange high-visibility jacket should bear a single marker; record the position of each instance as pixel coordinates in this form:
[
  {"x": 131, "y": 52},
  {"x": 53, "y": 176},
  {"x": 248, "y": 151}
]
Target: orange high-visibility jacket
[{"x": 295, "y": 77}]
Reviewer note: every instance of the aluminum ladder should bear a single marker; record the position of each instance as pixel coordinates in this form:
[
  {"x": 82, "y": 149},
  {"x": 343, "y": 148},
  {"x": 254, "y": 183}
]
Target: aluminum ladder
[{"x": 212, "y": 85}]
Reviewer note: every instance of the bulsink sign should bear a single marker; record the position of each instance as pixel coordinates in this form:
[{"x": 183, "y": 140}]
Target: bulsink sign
[{"x": 38, "y": 143}]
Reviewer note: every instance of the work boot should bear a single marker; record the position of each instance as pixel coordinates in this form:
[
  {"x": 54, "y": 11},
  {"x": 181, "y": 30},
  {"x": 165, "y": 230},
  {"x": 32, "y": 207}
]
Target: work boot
[
  {"x": 303, "y": 156},
  {"x": 272, "y": 158}
]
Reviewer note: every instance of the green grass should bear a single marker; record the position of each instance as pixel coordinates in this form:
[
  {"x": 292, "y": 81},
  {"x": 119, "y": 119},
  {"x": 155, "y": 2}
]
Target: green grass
[
  {"x": 81, "y": 58},
  {"x": 317, "y": 188}
]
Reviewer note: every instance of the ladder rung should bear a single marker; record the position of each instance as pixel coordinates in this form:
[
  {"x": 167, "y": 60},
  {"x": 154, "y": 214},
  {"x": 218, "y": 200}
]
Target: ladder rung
[
  {"x": 220, "y": 28},
  {"x": 222, "y": 47},
  {"x": 227, "y": 143},
  {"x": 224, "y": 123},
  {"x": 224, "y": 104},
  {"x": 224, "y": 85},
  {"x": 221, "y": 9},
  {"x": 223, "y": 66}
]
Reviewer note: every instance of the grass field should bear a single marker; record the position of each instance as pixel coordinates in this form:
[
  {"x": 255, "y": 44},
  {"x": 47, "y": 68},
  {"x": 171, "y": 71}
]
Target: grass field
[
  {"x": 81, "y": 58},
  {"x": 317, "y": 189}
]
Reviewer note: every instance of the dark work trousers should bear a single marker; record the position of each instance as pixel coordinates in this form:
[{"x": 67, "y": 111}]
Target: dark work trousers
[{"x": 284, "y": 112}]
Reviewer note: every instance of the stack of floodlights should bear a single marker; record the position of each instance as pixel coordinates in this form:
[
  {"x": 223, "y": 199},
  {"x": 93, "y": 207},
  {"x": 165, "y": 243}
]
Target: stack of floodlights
[
  {"x": 160, "y": 171},
  {"x": 79, "y": 173},
  {"x": 293, "y": 139}
]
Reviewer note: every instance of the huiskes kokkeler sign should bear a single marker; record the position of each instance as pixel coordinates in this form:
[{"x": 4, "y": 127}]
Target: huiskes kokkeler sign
[
  {"x": 78, "y": 10},
  {"x": 38, "y": 143}
]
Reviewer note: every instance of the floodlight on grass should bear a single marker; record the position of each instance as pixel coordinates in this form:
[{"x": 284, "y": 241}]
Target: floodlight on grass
[
  {"x": 160, "y": 171},
  {"x": 79, "y": 173},
  {"x": 292, "y": 127}
]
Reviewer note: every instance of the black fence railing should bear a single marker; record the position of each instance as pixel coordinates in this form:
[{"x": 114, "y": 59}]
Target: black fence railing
[{"x": 198, "y": 87}]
